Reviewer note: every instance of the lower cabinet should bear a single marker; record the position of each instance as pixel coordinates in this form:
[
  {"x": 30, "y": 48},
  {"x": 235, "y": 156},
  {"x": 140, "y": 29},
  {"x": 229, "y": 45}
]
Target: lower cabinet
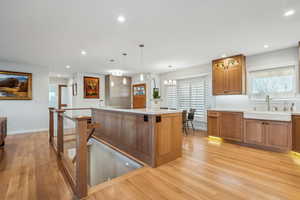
[
  {"x": 231, "y": 126},
  {"x": 228, "y": 125},
  {"x": 296, "y": 133},
  {"x": 268, "y": 133},
  {"x": 213, "y": 121},
  {"x": 275, "y": 134},
  {"x": 254, "y": 132}
]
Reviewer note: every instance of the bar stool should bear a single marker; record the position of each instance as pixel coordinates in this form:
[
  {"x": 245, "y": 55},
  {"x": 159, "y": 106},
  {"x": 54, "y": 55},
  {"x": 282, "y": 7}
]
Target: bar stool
[
  {"x": 190, "y": 119},
  {"x": 184, "y": 122}
]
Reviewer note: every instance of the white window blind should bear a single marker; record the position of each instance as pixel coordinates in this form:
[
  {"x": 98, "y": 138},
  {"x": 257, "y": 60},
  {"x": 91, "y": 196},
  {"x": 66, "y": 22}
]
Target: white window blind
[
  {"x": 172, "y": 97},
  {"x": 276, "y": 82},
  {"x": 190, "y": 93}
]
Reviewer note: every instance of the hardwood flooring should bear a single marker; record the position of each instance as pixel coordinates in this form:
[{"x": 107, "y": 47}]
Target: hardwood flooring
[{"x": 207, "y": 170}]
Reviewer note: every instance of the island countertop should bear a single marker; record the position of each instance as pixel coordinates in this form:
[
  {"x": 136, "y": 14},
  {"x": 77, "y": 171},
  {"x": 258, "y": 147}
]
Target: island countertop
[{"x": 144, "y": 111}]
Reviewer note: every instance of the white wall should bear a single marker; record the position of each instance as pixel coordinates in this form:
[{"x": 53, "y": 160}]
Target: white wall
[
  {"x": 79, "y": 101},
  {"x": 27, "y": 115}
]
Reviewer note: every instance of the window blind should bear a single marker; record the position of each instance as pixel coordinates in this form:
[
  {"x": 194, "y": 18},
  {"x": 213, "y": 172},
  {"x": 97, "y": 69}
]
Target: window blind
[
  {"x": 276, "y": 82},
  {"x": 172, "y": 97},
  {"x": 190, "y": 93}
]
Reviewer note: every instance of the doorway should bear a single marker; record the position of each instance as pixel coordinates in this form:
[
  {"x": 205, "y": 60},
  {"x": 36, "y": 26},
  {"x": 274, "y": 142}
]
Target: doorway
[
  {"x": 60, "y": 93},
  {"x": 139, "y": 96}
]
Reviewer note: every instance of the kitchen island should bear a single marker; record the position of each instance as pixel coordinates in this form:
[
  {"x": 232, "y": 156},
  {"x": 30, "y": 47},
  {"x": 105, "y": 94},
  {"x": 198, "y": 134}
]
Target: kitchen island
[{"x": 151, "y": 136}]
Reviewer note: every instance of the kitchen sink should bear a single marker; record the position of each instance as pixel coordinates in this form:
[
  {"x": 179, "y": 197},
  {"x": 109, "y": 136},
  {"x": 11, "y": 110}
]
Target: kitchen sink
[{"x": 268, "y": 115}]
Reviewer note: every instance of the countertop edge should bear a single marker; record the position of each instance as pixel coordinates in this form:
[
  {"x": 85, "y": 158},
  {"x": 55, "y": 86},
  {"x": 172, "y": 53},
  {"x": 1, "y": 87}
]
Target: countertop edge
[{"x": 138, "y": 111}]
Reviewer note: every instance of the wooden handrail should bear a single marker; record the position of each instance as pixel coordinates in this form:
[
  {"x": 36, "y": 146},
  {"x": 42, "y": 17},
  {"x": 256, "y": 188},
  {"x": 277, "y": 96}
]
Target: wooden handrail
[
  {"x": 77, "y": 108},
  {"x": 51, "y": 124},
  {"x": 81, "y": 161},
  {"x": 77, "y": 177},
  {"x": 60, "y": 132}
]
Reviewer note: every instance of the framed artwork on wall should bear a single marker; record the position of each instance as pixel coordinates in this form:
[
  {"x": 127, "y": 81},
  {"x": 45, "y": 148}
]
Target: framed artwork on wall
[
  {"x": 91, "y": 87},
  {"x": 15, "y": 85}
]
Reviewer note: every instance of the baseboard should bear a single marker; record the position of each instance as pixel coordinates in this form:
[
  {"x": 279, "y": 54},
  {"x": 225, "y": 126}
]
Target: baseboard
[{"x": 27, "y": 131}]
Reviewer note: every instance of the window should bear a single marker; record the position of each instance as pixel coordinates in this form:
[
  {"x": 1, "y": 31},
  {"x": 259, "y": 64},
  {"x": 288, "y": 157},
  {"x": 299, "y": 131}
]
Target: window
[
  {"x": 279, "y": 83},
  {"x": 172, "y": 97},
  {"x": 189, "y": 93}
]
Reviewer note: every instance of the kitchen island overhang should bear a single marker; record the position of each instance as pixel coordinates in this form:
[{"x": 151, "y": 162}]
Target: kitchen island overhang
[{"x": 152, "y": 136}]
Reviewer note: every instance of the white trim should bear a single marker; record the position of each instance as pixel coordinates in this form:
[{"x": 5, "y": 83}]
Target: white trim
[
  {"x": 27, "y": 131},
  {"x": 192, "y": 76},
  {"x": 265, "y": 67}
]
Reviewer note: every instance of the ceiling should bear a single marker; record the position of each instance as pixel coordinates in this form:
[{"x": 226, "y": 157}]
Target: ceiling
[{"x": 52, "y": 33}]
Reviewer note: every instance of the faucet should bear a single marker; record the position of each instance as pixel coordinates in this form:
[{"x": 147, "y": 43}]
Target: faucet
[{"x": 268, "y": 99}]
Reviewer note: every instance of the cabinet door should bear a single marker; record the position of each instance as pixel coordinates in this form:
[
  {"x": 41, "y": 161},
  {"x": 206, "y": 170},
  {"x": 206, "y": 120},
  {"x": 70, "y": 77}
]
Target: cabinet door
[
  {"x": 231, "y": 126},
  {"x": 168, "y": 138},
  {"x": 213, "y": 126},
  {"x": 254, "y": 132},
  {"x": 233, "y": 80},
  {"x": 296, "y": 133},
  {"x": 278, "y": 134},
  {"x": 218, "y": 80}
]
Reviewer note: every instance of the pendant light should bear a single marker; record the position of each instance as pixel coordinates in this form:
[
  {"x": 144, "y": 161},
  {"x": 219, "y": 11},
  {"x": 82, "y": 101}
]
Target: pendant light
[
  {"x": 124, "y": 78},
  {"x": 142, "y": 61}
]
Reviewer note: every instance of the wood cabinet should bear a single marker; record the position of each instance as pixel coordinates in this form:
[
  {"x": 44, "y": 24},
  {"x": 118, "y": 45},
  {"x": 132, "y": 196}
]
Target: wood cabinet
[
  {"x": 231, "y": 126},
  {"x": 296, "y": 133},
  {"x": 229, "y": 75},
  {"x": 275, "y": 134},
  {"x": 268, "y": 133},
  {"x": 254, "y": 132},
  {"x": 228, "y": 125},
  {"x": 152, "y": 139},
  {"x": 213, "y": 121},
  {"x": 169, "y": 138}
]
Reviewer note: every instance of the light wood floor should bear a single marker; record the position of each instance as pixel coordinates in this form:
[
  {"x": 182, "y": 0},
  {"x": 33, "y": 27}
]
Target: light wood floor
[{"x": 208, "y": 170}]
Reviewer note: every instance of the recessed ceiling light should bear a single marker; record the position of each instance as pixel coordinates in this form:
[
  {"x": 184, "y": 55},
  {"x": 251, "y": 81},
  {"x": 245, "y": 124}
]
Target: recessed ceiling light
[
  {"x": 289, "y": 13},
  {"x": 83, "y": 52},
  {"x": 68, "y": 66},
  {"x": 223, "y": 55},
  {"x": 266, "y": 46},
  {"x": 121, "y": 19}
]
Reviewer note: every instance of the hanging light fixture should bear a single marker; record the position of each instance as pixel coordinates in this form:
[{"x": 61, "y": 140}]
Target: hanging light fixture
[
  {"x": 124, "y": 57},
  {"x": 142, "y": 61},
  {"x": 124, "y": 81},
  {"x": 141, "y": 77},
  {"x": 170, "y": 82}
]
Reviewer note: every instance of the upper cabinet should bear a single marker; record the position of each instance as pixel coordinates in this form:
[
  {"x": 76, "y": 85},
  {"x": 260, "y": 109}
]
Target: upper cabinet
[{"x": 229, "y": 75}]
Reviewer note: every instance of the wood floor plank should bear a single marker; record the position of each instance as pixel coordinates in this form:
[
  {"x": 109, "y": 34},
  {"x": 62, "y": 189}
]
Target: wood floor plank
[{"x": 207, "y": 171}]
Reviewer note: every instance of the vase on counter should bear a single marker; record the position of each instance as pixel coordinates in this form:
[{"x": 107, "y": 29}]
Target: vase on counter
[{"x": 155, "y": 103}]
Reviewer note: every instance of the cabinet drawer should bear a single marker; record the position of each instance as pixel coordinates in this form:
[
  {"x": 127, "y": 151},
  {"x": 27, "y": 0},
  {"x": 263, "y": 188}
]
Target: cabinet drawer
[{"x": 213, "y": 114}]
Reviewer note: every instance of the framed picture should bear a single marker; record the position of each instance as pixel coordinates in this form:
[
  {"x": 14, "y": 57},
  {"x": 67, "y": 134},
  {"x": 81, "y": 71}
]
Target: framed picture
[
  {"x": 91, "y": 87},
  {"x": 15, "y": 85}
]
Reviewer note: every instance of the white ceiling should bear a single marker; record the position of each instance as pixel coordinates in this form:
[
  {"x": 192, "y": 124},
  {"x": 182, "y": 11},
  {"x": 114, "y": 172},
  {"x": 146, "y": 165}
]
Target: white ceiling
[{"x": 182, "y": 33}]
